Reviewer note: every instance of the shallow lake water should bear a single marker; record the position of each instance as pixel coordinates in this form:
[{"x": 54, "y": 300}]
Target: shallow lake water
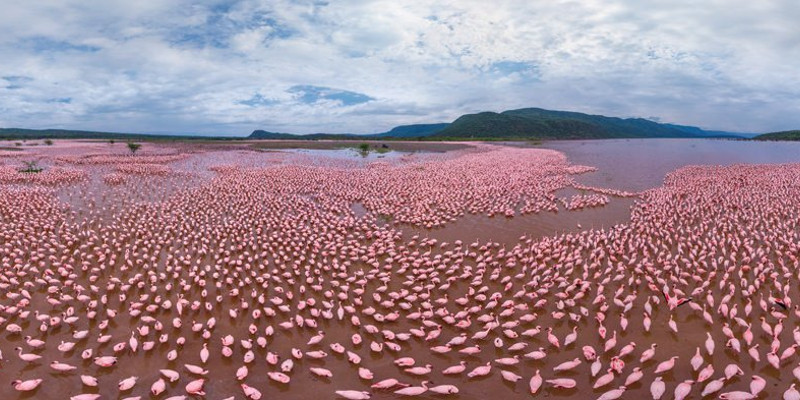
[
  {"x": 639, "y": 164},
  {"x": 631, "y": 165}
]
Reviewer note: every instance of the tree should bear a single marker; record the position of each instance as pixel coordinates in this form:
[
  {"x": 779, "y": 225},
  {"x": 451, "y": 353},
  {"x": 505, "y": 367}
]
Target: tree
[
  {"x": 32, "y": 167},
  {"x": 133, "y": 147}
]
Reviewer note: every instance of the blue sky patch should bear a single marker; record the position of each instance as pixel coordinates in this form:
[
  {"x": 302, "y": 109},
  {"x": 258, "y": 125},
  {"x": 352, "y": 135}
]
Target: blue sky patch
[
  {"x": 310, "y": 94},
  {"x": 17, "y": 78},
  {"x": 15, "y": 81},
  {"x": 41, "y": 44},
  {"x": 219, "y": 26},
  {"x": 512, "y": 67},
  {"x": 258, "y": 100}
]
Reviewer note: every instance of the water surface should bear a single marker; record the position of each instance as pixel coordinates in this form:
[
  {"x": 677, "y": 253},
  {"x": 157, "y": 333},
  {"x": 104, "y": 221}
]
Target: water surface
[
  {"x": 639, "y": 164},
  {"x": 622, "y": 164}
]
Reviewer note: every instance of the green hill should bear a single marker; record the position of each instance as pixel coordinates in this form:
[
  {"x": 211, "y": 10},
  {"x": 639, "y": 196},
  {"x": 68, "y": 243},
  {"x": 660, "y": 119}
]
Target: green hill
[
  {"x": 784, "y": 135},
  {"x": 537, "y": 123}
]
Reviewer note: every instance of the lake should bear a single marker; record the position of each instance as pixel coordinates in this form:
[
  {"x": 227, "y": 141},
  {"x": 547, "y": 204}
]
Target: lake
[{"x": 639, "y": 164}]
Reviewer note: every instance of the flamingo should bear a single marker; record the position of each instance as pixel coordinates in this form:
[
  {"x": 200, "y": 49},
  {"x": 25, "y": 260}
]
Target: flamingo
[
  {"x": 413, "y": 390},
  {"x": 657, "y": 388},
  {"x": 26, "y": 386},
  {"x": 535, "y": 382},
  {"x": 666, "y": 365},
  {"x": 353, "y": 394}
]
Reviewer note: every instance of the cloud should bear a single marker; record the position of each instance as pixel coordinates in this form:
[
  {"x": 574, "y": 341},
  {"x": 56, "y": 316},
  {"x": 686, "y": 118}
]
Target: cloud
[{"x": 225, "y": 66}]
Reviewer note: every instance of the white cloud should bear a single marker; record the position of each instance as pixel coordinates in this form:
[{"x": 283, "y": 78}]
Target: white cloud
[{"x": 166, "y": 66}]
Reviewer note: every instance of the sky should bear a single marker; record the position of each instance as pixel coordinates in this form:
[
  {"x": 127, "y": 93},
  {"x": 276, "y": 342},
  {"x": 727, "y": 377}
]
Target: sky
[{"x": 362, "y": 66}]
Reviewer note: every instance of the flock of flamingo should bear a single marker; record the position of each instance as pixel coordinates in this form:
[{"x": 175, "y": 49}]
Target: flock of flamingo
[{"x": 232, "y": 274}]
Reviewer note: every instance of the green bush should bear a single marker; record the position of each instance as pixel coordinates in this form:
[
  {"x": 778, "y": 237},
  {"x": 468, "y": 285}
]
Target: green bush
[
  {"x": 31, "y": 167},
  {"x": 134, "y": 147}
]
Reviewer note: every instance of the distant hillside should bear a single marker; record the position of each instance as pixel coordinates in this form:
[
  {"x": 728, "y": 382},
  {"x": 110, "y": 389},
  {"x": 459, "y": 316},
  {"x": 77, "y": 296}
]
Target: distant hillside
[
  {"x": 413, "y": 131},
  {"x": 402, "y": 131},
  {"x": 717, "y": 134},
  {"x": 537, "y": 123},
  {"x": 31, "y": 134},
  {"x": 15, "y": 133},
  {"x": 261, "y": 134},
  {"x": 785, "y": 135}
]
